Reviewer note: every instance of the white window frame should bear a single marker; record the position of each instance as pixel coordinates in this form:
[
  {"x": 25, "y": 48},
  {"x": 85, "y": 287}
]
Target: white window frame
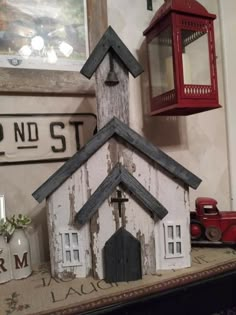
[
  {"x": 175, "y": 239},
  {"x": 2, "y": 208},
  {"x": 71, "y": 248}
]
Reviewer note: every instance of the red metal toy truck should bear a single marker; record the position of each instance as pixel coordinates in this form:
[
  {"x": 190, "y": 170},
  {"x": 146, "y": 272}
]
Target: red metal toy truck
[{"x": 208, "y": 224}]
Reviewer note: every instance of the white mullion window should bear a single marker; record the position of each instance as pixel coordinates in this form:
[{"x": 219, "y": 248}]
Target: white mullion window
[
  {"x": 173, "y": 239},
  {"x": 70, "y": 248}
]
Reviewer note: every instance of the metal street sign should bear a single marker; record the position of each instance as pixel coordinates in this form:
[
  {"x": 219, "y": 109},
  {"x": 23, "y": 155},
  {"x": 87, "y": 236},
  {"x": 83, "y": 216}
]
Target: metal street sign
[{"x": 42, "y": 138}]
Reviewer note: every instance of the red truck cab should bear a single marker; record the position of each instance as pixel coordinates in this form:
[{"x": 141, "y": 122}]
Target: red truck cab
[{"x": 209, "y": 224}]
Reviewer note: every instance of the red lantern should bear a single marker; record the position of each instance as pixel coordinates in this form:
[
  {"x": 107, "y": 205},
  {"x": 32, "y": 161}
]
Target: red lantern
[{"x": 182, "y": 60}]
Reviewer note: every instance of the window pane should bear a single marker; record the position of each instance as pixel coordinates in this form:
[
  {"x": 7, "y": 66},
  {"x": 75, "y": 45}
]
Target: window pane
[
  {"x": 178, "y": 231},
  {"x": 178, "y": 248},
  {"x": 68, "y": 255},
  {"x": 210, "y": 209},
  {"x": 161, "y": 63},
  {"x": 170, "y": 232},
  {"x": 171, "y": 248},
  {"x": 75, "y": 241},
  {"x": 76, "y": 255},
  {"x": 67, "y": 239},
  {"x": 195, "y": 57}
]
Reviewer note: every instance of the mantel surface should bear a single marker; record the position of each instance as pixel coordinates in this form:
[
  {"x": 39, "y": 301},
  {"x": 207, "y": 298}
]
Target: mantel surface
[{"x": 42, "y": 294}]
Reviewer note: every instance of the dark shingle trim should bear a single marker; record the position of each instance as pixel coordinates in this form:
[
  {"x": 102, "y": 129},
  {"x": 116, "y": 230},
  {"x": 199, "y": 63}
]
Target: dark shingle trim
[
  {"x": 115, "y": 128},
  {"x": 157, "y": 155},
  {"x": 119, "y": 175},
  {"x": 77, "y": 160},
  {"x": 110, "y": 40}
]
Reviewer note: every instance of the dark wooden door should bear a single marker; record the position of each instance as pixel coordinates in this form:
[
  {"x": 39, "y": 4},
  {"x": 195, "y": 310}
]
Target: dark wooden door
[{"x": 122, "y": 257}]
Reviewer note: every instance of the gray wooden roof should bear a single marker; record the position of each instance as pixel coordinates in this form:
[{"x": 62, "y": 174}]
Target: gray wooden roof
[
  {"x": 115, "y": 128},
  {"x": 119, "y": 176},
  {"x": 111, "y": 41}
]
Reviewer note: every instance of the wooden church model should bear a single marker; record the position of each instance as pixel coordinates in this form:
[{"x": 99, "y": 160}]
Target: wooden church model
[{"x": 118, "y": 209}]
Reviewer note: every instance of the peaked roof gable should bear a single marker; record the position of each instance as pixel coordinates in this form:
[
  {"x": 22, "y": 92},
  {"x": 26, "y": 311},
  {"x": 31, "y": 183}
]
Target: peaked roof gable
[
  {"x": 119, "y": 175},
  {"x": 110, "y": 40},
  {"x": 123, "y": 233},
  {"x": 115, "y": 128}
]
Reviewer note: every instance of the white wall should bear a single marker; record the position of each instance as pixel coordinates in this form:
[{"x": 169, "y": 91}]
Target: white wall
[
  {"x": 199, "y": 142},
  {"x": 228, "y": 24}
]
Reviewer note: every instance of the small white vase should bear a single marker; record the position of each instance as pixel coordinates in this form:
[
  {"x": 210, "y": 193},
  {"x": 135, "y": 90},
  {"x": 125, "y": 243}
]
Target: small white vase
[
  {"x": 5, "y": 261},
  {"x": 20, "y": 254}
]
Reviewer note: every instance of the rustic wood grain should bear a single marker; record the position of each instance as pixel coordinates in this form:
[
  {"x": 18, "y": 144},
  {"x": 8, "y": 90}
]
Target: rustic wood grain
[
  {"x": 116, "y": 128},
  {"x": 50, "y": 82},
  {"x": 97, "y": 21},
  {"x": 112, "y": 101},
  {"x": 122, "y": 246}
]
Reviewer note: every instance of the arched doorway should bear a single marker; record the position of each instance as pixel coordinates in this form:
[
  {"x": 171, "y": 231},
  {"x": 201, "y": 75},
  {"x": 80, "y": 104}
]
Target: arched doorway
[{"x": 122, "y": 257}]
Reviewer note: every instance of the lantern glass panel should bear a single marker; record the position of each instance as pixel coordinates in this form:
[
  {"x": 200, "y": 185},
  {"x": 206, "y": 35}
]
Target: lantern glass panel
[
  {"x": 195, "y": 57},
  {"x": 161, "y": 63}
]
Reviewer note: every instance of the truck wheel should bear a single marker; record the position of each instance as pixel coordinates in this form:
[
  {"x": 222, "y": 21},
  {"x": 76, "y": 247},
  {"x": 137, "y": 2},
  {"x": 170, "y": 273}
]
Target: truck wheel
[
  {"x": 196, "y": 230},
  {"x": 213, "y": 233}
]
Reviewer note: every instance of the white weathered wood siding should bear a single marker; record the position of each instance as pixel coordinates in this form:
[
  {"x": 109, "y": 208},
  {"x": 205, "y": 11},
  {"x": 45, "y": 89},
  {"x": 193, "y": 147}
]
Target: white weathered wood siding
[
  {"x": 62, "y": 207},
  {"x": 139, "y": 223},
  {"x": 102, "y": 223},
  {"x": 112, "y": 101},
  {"x": 73, "y": 194},
  {"x": 136, "y": 220},
  {"x": 175, "y": 198}
]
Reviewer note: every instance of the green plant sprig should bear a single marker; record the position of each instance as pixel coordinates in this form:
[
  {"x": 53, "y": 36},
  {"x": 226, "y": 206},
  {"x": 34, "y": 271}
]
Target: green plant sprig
[
  {"x": 20, "y": 221},
  {"x": 8, "y": 226},
  {"x": 6, "y": 229}
]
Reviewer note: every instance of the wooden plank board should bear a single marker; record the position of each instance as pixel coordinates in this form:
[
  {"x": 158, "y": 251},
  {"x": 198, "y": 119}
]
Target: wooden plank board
[
  {"x": 110, "y": 40},
  {"x": 112, "y": 101}
]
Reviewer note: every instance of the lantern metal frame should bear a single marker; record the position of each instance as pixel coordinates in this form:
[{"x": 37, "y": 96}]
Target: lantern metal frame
[{"x": 184, "y": 99}]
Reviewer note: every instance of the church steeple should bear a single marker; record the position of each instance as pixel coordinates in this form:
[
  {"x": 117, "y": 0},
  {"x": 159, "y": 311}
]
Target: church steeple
[{"x": 111, "y": 61}]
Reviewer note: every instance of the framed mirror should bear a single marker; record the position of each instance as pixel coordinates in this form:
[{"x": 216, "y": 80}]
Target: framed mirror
[{"x": 44, "y": 44}]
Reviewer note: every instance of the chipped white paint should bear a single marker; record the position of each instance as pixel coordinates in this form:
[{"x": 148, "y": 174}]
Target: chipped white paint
[
  {"x": 72, "y": 195},
  {"x": 106, "y": 223},
  {"x": 174, "y": 197},
  {"x": 141, "y": 225},
  {"x": 112, "y": 100},
  {"x": 62, "y": 206}
]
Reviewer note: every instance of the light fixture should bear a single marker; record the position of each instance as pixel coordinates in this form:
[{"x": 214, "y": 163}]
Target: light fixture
[
  {"x": 25, "y": 51},
  {"x": 37, "y": 43},
  {"x": 65, "y": 49},
  {"x": 51, "y": 54}
]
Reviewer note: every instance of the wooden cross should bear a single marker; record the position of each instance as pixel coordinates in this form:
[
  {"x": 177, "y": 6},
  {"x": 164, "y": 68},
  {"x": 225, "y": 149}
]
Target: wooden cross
[{"x": 119, "y": 200}]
